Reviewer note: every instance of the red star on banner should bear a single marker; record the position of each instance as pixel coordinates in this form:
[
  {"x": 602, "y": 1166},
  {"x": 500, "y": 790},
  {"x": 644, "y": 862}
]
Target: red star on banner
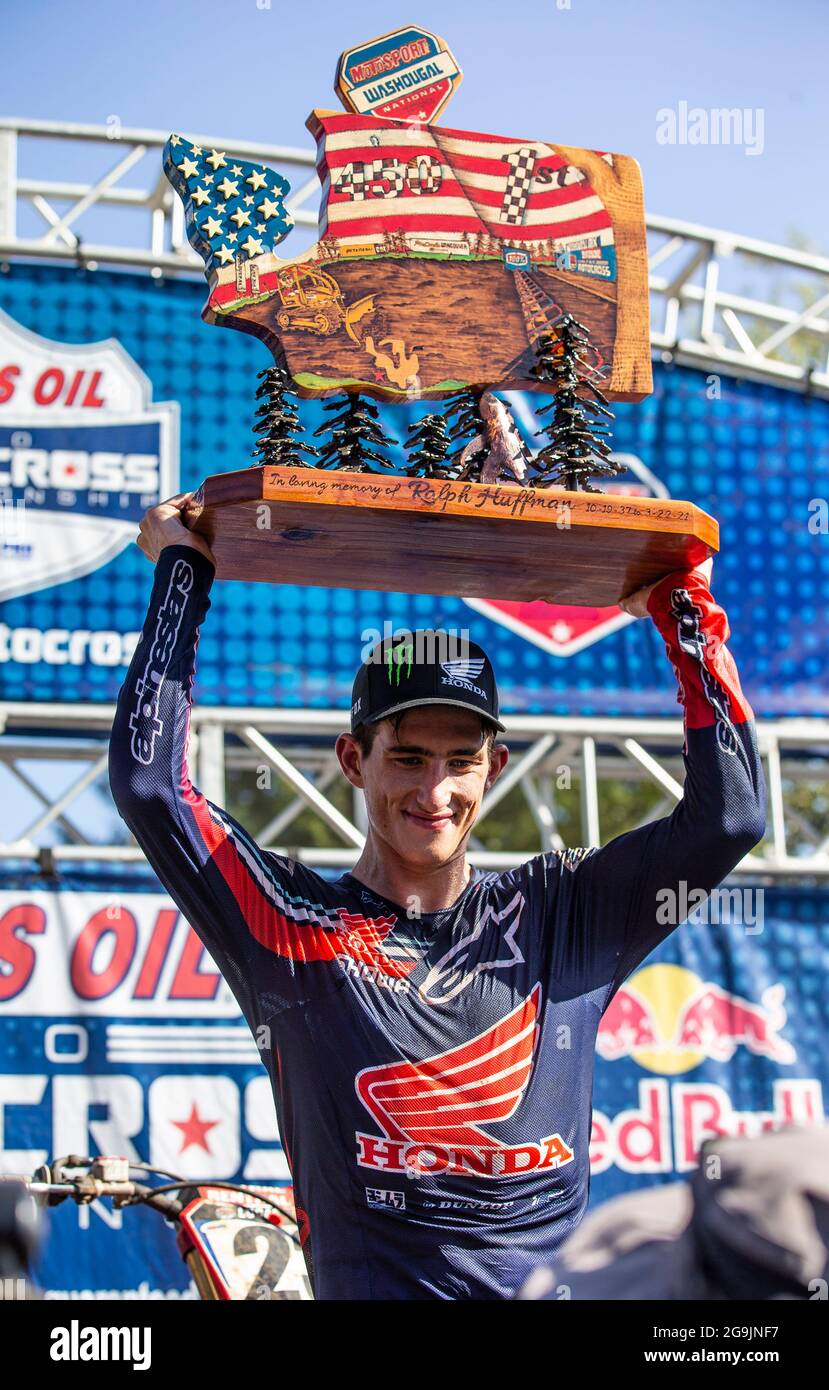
[{"x": 194, "y": 1130}]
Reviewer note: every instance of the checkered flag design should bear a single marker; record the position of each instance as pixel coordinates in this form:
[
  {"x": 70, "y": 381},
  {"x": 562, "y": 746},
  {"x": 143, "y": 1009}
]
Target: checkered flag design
[{"x": 518, "y": 186}]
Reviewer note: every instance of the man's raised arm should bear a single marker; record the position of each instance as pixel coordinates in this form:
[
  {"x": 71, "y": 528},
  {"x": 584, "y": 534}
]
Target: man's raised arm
[
  {"x": 209, "y": 865},
  {"x": 624, "y": 889}
]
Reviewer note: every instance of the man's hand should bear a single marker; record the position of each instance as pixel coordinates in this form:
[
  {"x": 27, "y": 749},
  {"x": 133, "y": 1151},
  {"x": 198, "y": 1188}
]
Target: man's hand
[
  {"x": 162, "y": 525},
  {"x": 637, "y": 604}
]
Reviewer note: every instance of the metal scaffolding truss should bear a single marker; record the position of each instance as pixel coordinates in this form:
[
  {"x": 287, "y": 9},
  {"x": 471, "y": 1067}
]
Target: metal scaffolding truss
[
  {"x": 296, "y": 747},
  {"x": 777, "y": 329}
]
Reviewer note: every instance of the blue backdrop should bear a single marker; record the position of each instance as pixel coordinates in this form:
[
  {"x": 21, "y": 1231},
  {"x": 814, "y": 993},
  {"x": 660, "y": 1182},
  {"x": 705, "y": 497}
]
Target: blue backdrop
[{"x": 752, "y": 455}]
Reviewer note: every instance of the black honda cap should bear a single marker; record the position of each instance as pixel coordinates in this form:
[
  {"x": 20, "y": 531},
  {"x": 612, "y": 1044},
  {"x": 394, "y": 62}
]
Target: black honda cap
[{"x": 426, "y": 667}]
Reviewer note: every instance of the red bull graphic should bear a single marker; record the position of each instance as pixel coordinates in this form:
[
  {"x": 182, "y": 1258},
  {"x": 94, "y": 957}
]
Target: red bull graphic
[
  {"x": 669, "y": 1020},
  {"x": 719, "y": 1023},
  {"x": 666, "y": 1130}
]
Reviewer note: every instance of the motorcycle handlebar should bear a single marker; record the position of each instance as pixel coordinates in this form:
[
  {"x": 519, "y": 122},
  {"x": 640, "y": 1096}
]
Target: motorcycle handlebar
[{"x": 82, "y": 1187}]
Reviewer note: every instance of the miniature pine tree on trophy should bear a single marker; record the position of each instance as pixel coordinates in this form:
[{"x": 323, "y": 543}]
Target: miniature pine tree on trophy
[
  {"x": 463, "y": 418},
  {"x": 355, "y": 436},
  {"x": 278, "y": 422},
  {"x": 578, "y": 447},
  {"x": 428, "y": 447}
]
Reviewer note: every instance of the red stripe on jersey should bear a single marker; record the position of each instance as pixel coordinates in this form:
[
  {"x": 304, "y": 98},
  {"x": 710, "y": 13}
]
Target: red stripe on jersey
[
  {"x": 695, "y": 633},
  {"x": 356, "y": 936}
]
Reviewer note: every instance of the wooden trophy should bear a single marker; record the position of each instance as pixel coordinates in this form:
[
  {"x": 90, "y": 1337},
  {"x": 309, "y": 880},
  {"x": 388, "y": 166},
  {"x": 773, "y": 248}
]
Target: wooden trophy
[{"x": 449, "y": 265}]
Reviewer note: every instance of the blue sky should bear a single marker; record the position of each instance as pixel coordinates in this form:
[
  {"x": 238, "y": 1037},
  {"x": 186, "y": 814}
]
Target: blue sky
[{"x": 594, "y": 74}]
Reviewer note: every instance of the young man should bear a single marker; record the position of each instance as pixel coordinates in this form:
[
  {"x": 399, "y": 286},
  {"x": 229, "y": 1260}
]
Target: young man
[{"x": 429, "y": 1031}]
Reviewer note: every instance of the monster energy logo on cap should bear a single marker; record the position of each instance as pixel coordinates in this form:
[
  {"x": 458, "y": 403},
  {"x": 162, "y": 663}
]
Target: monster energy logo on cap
[
  {"x": 395, "y": 658},
  {"x": 426, "y": 667}
]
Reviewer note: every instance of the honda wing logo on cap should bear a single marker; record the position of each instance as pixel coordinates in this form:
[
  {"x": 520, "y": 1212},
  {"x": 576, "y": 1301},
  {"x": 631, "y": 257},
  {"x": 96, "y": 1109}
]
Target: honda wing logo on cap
[
  {"x": 464, "y": 669},
  {"x": 463, "y": 672}
]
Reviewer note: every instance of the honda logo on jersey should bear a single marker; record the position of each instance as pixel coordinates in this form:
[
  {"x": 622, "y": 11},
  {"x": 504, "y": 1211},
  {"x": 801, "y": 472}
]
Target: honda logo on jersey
[{"x": 431, "y": 1112}]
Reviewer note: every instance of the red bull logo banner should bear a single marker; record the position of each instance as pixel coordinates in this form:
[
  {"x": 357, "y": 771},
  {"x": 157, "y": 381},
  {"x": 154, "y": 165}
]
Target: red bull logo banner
[{"x": 719, "y": 1033}]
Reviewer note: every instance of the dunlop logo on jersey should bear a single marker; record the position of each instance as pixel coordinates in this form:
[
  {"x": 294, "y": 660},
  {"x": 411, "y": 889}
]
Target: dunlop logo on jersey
[{"x": 83, "y": 453}]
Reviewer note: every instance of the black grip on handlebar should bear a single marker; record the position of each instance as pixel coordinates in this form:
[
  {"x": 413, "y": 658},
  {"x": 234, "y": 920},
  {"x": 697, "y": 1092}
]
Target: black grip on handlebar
[{"x": 19, "y": 1230}]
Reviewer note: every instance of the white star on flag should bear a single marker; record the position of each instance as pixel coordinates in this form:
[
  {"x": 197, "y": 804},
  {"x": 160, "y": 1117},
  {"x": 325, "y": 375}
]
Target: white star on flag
[{"x": 212, "y": 227}]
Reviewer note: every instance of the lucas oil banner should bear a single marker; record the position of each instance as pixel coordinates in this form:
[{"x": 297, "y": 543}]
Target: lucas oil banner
[{"x": 118, "y": 1036}]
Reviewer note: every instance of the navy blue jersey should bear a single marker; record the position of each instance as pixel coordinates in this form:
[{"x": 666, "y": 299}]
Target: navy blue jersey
[{"x": 433, "y": 1075}]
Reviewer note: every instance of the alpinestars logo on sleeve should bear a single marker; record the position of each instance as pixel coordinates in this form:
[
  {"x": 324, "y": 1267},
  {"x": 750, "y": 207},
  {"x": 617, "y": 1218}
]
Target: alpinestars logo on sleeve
[
  {"x": 431, "y": 1112},
  {"x": 145, "y": 722}
]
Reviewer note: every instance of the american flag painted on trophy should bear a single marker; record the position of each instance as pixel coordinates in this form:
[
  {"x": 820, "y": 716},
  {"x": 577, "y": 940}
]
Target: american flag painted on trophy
[{"x": 382, "y": 177}]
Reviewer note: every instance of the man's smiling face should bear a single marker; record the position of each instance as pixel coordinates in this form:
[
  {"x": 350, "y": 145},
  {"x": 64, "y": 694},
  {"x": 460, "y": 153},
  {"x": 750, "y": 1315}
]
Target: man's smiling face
[{"x": 424, "y": 780}]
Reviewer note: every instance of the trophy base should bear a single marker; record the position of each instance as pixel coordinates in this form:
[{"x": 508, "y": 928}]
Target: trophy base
[{"x": 334, "y": 529}]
